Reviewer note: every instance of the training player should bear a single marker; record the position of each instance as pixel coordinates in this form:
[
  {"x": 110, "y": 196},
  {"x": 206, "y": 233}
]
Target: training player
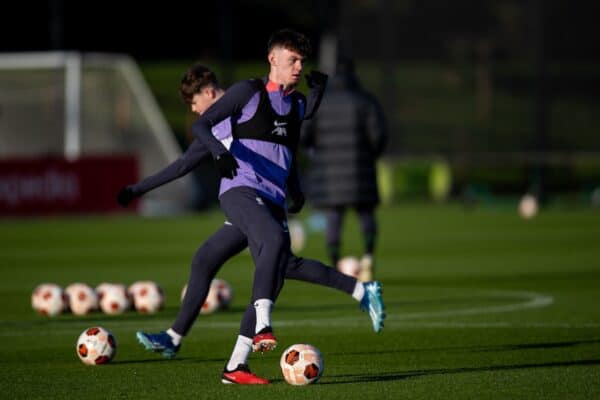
[{"x": 200, "y": 88}]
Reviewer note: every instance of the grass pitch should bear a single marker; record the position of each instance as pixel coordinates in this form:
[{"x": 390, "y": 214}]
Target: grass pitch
[{"x": 480, "y": 303}]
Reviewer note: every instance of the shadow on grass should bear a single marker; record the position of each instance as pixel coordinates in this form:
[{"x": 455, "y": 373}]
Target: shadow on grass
[
  {"x": 358, "y": 378},
  {"x": 489, "y": 348},
  {"x": 543, "y": 345},
  {"x": 152, "y": 360},
  {"x": 172, "y": 360}
]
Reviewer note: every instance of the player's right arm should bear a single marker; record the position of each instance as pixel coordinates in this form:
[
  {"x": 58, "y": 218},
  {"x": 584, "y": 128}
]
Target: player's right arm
[{"x": 183, "y": 165}]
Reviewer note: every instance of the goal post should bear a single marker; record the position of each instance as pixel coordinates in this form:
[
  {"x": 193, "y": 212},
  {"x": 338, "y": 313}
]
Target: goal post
[{"x": 74, "y": 105}]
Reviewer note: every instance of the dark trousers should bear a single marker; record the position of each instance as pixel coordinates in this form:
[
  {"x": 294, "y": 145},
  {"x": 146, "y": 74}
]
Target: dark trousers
[
  {"x": 224, "y": 244},
  {"x": 216, "y": 250},
  {"x": 335, "y": 217},
  {"x": 265, "y": 226}
]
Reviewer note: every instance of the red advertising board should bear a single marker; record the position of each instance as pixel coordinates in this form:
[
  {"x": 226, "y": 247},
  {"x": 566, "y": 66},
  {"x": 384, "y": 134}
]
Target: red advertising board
[{"x": 54, "y": 185}]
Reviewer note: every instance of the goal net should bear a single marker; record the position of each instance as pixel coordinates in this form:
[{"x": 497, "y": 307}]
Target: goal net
[{"x": 76, "y": 105}]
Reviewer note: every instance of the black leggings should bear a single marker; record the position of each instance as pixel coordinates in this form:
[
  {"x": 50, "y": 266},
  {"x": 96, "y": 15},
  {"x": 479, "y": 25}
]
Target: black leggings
[
  {"x": 224, "y": 244},
  {"x": 335, "y": 216}
]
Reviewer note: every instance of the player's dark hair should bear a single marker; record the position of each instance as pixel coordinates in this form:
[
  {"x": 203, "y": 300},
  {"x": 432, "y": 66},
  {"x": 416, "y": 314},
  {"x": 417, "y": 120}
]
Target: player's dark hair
[
  {"x": 291, "y": 40},
  {"x": 195, "y": 79}
]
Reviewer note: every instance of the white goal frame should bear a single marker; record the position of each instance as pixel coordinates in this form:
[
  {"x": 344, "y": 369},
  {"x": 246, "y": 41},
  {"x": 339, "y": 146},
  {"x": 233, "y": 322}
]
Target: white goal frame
[{"x": 73, "y": 63}]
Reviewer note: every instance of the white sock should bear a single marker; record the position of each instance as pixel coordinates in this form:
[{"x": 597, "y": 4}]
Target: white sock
[
  {"x": 241, "y": 351},
  {"x": 175, "y": 337},
  {"x": 359, "y": 291},
  {"x": 263, "y": 313}
]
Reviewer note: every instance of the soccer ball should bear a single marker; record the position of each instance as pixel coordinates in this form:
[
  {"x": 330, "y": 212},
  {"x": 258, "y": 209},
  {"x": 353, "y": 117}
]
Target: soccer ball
[
  {"x": 101, "y": 289},
  {"x": 301, "y": 364},
  {"x": 297, "y": 235},
  {"x": 147, "y": 296},
  {"x": 219, "y": 296},
  {"x": 49, "y": 299},
  {"x": 528, "y": 206},
  {"x": 224, "y": 292},
  {"x": 349, "y": 266},
  {"x": 82, "y": 298},
  {"x": 114, "y": 298},
  {"x": 211, "y": 303},
  {"x": 96, "y": 346}
]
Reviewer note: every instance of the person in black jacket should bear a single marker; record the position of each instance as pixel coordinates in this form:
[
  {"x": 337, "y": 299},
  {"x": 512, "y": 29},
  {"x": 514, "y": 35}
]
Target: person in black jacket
[{"x": 344, "y": 141}]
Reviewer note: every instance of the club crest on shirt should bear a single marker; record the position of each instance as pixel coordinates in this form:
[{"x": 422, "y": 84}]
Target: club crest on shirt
[{"x": 280, "y": 128}]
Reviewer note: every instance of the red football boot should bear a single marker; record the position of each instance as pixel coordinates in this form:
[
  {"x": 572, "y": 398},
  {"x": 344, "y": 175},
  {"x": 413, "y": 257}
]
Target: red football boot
[
  {"x": 242, "y": 376},
  {"x": 264, "y": 340}
]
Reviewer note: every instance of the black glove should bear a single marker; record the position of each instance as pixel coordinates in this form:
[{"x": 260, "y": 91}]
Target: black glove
[
  {"x": 316, "y": 79},
  {"x": 227, "y": 165},
  {"x": 125, "y": 196},
  {"x": 296, "y": 202}
]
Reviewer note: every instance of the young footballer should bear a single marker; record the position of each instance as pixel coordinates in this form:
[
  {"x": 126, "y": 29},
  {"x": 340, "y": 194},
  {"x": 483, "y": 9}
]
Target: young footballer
[{"x": 200, "y": 89}]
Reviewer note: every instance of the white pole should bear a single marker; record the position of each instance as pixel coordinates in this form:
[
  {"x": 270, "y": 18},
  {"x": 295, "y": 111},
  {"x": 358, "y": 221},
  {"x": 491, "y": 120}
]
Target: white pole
[
  {"x": 152, "y": 112},
  {"x": 328, "y": 53},
  {"x": 72, "y": 106}
]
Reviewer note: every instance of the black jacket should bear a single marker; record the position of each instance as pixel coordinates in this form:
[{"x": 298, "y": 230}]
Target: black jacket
[{"x": 344, "y": 140}]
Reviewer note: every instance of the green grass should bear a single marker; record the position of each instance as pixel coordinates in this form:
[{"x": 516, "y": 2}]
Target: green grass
[{"x": 481, "y": 304}]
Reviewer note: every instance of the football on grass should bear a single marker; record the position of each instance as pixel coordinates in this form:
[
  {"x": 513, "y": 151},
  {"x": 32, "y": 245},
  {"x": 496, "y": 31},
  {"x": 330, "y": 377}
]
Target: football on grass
[
  {"x": 211, "y": 303},
  {"x": 82, "y": 298},
  {"x": 297, "y": 235},
  {"x": 301, "y": 364},
  {"x": 49, "y": 299},
  {"x": 219, "y": 296},
  {"x": 113, "y": 298},
  {"x": 350, "y": 266},
  {"x": 224, "y": 292},
  {"x": 148, "y": 296},
  {"x": 96, "y": 346}
]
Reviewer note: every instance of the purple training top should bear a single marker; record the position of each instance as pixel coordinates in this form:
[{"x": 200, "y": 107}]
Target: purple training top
[{"x": 263, "y": 166}]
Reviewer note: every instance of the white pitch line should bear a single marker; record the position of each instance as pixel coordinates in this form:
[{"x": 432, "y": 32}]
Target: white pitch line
[
  {"x": 395, "y": 325},
  {"x": 529, "y": 300},
  {"x": 495, "y": 325},
  {"x": 532, "y": 300}
]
